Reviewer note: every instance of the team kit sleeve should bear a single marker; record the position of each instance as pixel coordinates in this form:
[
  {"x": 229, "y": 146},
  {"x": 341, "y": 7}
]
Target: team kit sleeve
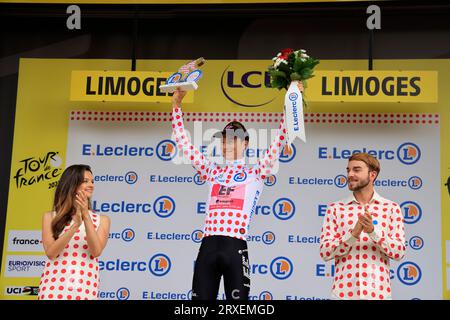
[
  {"x": 268, "y": 163},
  {"x": 392, "y": 242},
  {"x": 332, "y": 243},
  {"x": 190, "y": 153}
]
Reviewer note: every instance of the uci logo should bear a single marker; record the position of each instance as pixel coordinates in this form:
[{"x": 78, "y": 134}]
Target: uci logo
[
  {"x": 268, "y": 237},
  {"x": 164, "y": 206},
  {"x": 416, "y": 243},
  {"x": 265, "y": 295},
  {"x": 123, "y": 294},
  {"x": 236, "y": 85},
  {"x": 288, "y": 153},
  {"x": 283, "y": 208},
  {"x": 281, "y": 268},
  {"x": 166, "y": 150},
  {"x": 408, "y": 153},
  {"x": 131, "y": 177},
  {"x": 340, "y": 181},
  {"x": 412, "y": 212},
  {"x": 197, "y": 236},
  {"x": 409, "y": 273},
  {"x": 128, "y": 235},
  {"x": 270, "y": 181},
  {"x": 239, "y": 177},
  {"x": 293, "y": 96},
  {"x": 198, "y": 180},
  {"x": 159, "y": 265},
  {"x": 415, "y": 183}
]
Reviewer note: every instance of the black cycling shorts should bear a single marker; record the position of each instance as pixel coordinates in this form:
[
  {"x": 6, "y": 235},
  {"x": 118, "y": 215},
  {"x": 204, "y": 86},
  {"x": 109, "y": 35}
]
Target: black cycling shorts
[{"x": 221, "y": 256}]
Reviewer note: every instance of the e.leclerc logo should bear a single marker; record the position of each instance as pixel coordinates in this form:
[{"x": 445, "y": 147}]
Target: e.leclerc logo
[
  {"x": 165, "y": 150},
  {"x": 412, "y": 212},
  {"x": 159, "y": 265},
  {"x": 409, "y": 273},
  {"x": 407, "y": 153},
  {"x": 281, "y": 268},
  {"x": 283, "y": 208}
]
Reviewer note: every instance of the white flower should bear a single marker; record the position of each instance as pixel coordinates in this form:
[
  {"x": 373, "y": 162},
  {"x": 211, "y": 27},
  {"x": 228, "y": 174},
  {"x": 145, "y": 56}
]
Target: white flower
[{"x": 278, "y": 62}]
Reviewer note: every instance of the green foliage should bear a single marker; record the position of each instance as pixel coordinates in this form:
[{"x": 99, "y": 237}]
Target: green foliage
[{"x": 299, "y": 67}]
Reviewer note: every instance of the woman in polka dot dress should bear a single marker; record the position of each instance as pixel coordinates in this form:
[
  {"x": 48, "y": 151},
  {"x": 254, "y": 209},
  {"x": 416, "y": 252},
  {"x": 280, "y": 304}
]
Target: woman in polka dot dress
[{"x": 73, "y": 238}]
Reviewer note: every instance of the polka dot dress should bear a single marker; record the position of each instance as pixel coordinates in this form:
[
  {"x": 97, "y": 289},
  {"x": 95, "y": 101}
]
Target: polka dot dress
[
  {"x": 235, "y": 187},
  {"x": 362, "y": 265},
  {"x": 74, "y": 274}
]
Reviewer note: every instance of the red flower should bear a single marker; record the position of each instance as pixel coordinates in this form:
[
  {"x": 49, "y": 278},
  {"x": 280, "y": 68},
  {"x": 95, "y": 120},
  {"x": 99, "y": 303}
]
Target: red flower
[{"x": 287, "y": 51}]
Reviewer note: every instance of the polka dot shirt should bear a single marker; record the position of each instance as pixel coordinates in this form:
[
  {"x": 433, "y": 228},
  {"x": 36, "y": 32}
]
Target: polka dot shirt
[
  {"x": 235, "y": 187},
  {"x": 362, "y": 265}
]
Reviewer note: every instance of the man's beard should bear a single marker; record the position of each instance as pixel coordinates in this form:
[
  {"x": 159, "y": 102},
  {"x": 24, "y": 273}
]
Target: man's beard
[{"x": 360, "y": 185}]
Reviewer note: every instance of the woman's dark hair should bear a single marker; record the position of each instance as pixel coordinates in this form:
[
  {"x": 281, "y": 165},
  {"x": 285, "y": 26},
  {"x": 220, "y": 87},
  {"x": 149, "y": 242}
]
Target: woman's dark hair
[{"x": 63, "y": 204}]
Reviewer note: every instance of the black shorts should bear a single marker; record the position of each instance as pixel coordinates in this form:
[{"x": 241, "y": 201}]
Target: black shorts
[{"x": 221, "y": 256}]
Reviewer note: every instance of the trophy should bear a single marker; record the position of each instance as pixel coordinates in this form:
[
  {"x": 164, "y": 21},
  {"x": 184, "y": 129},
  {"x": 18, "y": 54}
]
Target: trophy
[{"x": 186, "y": 78}]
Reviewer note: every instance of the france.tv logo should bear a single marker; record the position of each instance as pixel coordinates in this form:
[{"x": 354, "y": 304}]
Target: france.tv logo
[
  {"x": 268, "y": 237},
  {"x": 131, "y": 177},
  {"x": 283, "y": 208},
  {"x": 164, "y": 206},
  {"x": 281, "y": 268},
  {"x": 412, "y": 212},
  {"x": 288, "y": 154},
  {"x": 416, "y": 243},
  {"x": 408, "y": 153},
  {"x": 159, "y": 265},
  {"x": 128, "y": 235},
  {"x": 166, "y": 150},
  {"x": 340, "y": 181},
  {"x": 409, "y": 273},
  {"x": 270, "y": 180},
  {"x": 123, "y": 294},
  {"x": 197, "y": 236}
]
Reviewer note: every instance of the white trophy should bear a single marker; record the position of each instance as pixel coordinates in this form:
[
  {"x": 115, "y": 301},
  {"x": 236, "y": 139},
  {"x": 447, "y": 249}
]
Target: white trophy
[{"x": 186, "y": 78}]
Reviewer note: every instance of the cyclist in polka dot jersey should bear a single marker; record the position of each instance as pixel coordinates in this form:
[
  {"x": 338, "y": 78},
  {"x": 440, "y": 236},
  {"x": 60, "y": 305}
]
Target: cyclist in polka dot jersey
[
  {"x": 362, "y": 233},
  {"x": 234, "y": 190},
  {"x": 73, "y": 237}
]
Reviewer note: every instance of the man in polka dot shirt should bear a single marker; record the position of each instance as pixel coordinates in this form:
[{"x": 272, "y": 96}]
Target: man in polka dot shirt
[{"x": 362, "y": 233}]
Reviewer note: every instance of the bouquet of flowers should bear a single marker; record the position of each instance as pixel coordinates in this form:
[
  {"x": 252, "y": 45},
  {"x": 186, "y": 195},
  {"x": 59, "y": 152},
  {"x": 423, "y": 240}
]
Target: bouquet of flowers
[
  {"x": 290, "y": 65},
  {"x": 288, "y": 69}
]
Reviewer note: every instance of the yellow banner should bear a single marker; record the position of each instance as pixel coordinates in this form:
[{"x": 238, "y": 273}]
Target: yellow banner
[
  {"x": 373, "y": 86},
  {"x": 326, "y": 86},
  {"x": 136, "y": 86}
]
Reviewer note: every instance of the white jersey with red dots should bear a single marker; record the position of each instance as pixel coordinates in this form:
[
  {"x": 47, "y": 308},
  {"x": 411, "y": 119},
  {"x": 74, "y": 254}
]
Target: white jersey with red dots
[
  {"x": 74, "y": 273},
  {"x": 234, "y": 189},
  {"x": 362, "y": 265}
]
